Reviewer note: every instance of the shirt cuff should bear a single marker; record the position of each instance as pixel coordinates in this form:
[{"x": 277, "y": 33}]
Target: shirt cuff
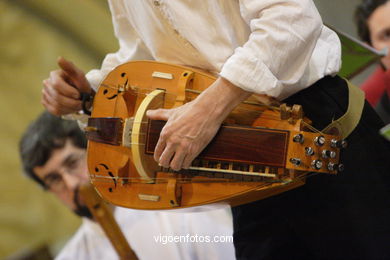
[
  {"x": 94, "y": 78},
  {"x": 251, "y": 74}
]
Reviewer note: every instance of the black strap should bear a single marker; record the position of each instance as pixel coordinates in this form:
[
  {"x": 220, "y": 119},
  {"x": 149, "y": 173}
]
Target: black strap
[{"x": 85, "y": 98}]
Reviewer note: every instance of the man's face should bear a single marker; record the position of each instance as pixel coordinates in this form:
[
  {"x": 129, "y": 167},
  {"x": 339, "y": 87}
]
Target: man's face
[
  {"x": 64, "y": 172},
  {"x": 379, "y": 26}
]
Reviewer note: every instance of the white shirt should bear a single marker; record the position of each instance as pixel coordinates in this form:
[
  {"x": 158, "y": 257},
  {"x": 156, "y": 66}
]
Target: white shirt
[
  {"x": 273, "y": 47},
  {"x": 151, "y": 234}
]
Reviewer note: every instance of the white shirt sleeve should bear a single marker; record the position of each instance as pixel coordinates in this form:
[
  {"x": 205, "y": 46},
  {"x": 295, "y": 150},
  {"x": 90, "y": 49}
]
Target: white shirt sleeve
[
  {"x": 88, "y": 243},
  {"x": 280, "y": 46},
  {"x": 131, "y": 47},
  {"x": 155, "y": 234}
]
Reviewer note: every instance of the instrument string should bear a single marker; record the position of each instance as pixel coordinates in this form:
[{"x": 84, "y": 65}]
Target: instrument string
[
  {"x": 213, "y": 173},
  {"x": 170, "y": 96},
  {"x": 193, "y": 179},
  {"x": 263, "y": 184},
  {"x": 158, "y": 105},
  {"x": 116, "y": 100}
]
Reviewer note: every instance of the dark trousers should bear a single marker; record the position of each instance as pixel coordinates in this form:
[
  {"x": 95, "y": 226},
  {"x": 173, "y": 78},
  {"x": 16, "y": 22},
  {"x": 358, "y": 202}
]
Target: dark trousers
[{"x": 344, "y": 216}]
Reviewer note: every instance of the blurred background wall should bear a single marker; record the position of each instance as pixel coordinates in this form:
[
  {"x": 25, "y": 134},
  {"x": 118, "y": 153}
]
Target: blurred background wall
[
  {"x": 33, "y": 33},
  {"x": 339, "y": 14}
]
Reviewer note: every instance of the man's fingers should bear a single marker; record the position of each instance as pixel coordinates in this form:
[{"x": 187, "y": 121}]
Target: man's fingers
[
  {"x": 61, "y": 96},
  {"x": 75, "y": 76},
  {"x": 62, "y": 90},
  {"x": 159, "y": 149},
  {"x": 172, "y": 151},
  {"x": 61, "y": 107},
  {"x": 52, "y": 109},
  {"x": 57, "y": 83},
  {"x": 58, "y": 96},
  {"x": 68, "y": 67},
  {"x": 59, "y": 104},
  {"x": 49, "y": 107},
  {"x": 177, "y": 161},
  {"x": 159, "y": 114},
  {"x": 166, "y": 157}
]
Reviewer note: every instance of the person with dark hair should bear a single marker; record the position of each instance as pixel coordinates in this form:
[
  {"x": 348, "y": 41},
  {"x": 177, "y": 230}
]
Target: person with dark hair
[
  {"x": 278, "y": 48},
  {"x": 372, "y": 18},
  {"x": 51, "y": 137},
  {"x": 53, "y": 153}
]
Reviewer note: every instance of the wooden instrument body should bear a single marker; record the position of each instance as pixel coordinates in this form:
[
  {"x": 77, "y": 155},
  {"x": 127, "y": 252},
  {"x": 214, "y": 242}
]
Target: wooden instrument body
[{"x": 125, "y": 174}]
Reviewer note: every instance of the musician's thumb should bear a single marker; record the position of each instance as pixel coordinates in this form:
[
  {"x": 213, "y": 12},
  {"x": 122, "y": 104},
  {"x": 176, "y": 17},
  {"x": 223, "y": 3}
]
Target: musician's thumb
[
  {"x": 158, "y": 114},
  {"x": 75, "y": 76}
]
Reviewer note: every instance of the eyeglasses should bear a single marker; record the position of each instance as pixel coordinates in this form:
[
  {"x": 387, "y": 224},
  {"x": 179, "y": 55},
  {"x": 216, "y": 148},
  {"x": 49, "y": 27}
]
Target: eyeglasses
[{"x": 54, "y": 181}]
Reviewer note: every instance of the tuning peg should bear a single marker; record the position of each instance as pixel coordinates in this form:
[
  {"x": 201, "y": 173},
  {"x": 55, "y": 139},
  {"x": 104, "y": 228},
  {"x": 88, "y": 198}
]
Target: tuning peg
[
  {"x": 309, "y": 151},
  {"x": 316, "y": 164},
  {"x": 338, "y": 143},
  {"x": 298, "y": 138},
  {"x": 319, "y": 140},
  {"x": 295, "y": 161},
  {"x": 328, "y": 154},
  {"x": 335, "y": 167}
]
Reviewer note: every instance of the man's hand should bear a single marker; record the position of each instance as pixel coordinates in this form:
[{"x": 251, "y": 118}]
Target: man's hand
[
  {"x": 191, "y": 127},
  {"x": 61, "y": 91}
]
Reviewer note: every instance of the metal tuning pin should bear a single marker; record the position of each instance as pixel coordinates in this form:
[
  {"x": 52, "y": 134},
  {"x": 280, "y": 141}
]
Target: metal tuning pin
[
  {"x": 316, "y": 164},
  {"x": 328, "y": 154},
  {"x": 295, "y": 161},
  {"x": 298, "y": 138},
  {"x": 309, "y": 151},
  {"x": 319, "y": 140},
  {"x": 335, "y": 167},
  {"x": 338, "y": 143}
]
